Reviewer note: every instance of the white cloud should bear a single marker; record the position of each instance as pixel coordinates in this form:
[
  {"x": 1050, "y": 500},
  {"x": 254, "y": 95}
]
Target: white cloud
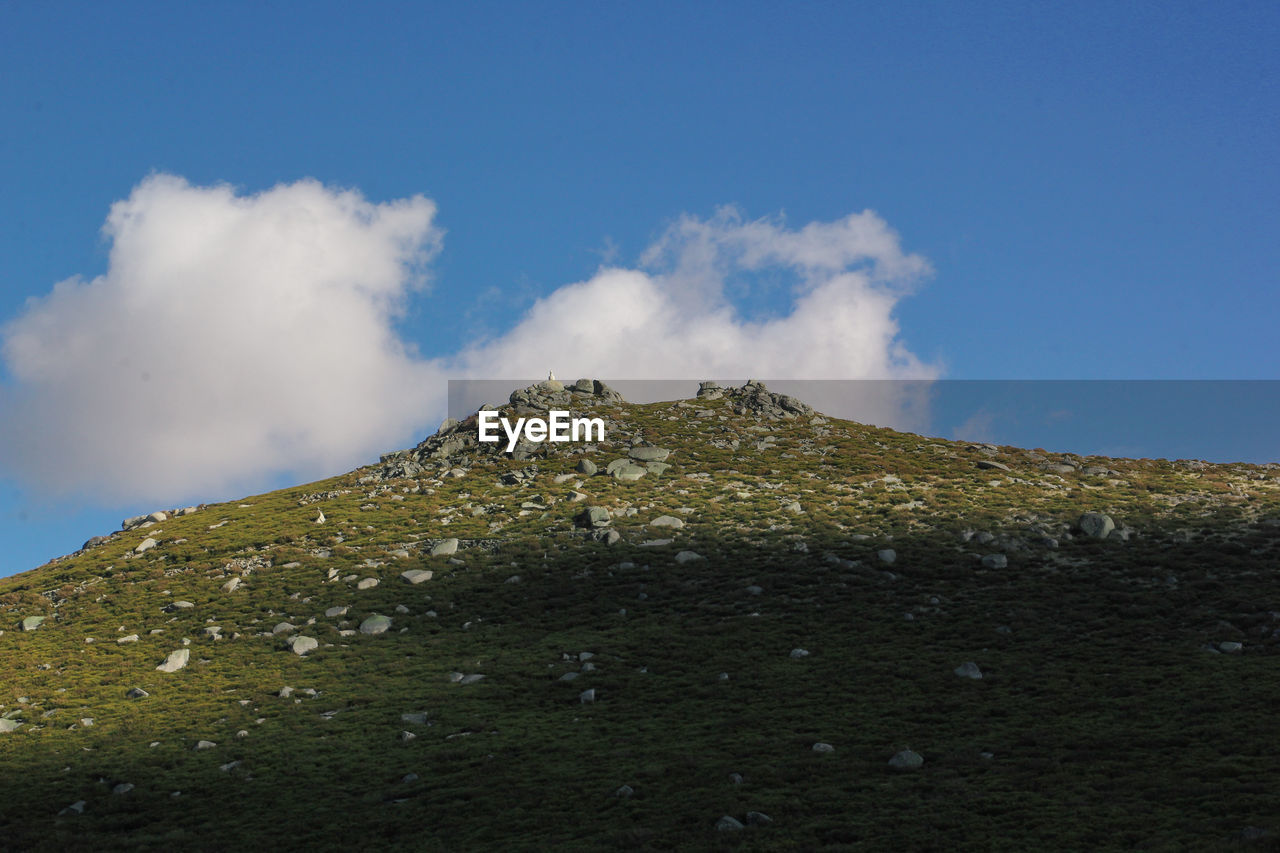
[
  {"x": 232, "y": 337},
  {"x": 237, "y": 337}
]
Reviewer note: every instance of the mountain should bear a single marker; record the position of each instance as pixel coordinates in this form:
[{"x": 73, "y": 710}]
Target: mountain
[{"x": 732, "y": 623}]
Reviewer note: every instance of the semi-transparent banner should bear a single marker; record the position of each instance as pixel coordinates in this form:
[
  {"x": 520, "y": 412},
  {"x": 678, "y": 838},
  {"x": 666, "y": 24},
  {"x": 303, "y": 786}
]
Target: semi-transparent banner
[{"x": 1212, "y": 420}]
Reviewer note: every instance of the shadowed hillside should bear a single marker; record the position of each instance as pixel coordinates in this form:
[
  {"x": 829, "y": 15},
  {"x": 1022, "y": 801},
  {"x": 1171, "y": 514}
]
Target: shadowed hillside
[{"x": 734, "y": 624}]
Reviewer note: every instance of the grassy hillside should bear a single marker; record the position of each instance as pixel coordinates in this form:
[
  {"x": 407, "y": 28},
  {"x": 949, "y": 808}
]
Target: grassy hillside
[{"x": 1109, "y": 714}]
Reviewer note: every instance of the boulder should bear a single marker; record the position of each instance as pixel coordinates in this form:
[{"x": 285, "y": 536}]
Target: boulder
[
  {"x": 995, "y": 561},
  {"x": 301, "y": 645},
  {"x": 906, "y": 761},
  {"x": 444, "y": 547},
  {"x": 145, "y": 545},
  {"x": 1096, "y": 524},
  {"x": 375, "y": 624},
  {"x": 136, "y": 693},
  {"x": 33, "y": 622},
  {"x": 649, "y": 454},
  {"x": 628, "y": 473},
  {"x": 9, "y": 725},
  {"x": 688, "y": 557},
  {"x": 175, "y": 661},
  {"x": 334, "y": 612},
  {"x": 416, "y": 576},
  {"x": 593, "y": 516},
  {"x": 667, "y": 521},
  {"x": 968, "y": 669},
  {"x": 586, "y": 467},
  {"x": 729, "y": 824}
]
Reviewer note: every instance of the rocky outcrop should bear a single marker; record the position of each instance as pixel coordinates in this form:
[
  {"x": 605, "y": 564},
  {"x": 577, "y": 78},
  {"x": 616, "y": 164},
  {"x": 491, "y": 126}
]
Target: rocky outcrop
[{"x": 456, "y": 445}]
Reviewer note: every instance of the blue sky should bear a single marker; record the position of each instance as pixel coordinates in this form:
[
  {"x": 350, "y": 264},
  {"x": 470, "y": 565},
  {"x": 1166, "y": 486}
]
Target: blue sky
[{"x": 1091, "y": 191}]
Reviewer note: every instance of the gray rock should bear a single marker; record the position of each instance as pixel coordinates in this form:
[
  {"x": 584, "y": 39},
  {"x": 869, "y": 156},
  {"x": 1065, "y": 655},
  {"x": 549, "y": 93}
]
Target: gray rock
[
  {"x": 887, "y": 555},
  {"x": 415, "y": 719},
  {"x": 667, "y": 521},
  {"x": 123, "y": 788},
  {"x": 205, "y": 744},
  {"x": 474, "y": 678},
  {"x": 587, "y": 697},
  {"x": 176, "y": 661},
  {"x": 593, "y": 516},
  {"x": 444, "y": 547},
  {"x": 688, "y": 557},
  {"x": 283, "y": 628},
  {"x": 417, "y": 576},
  {"x": 823, "y": 747},
  {"x": 367, "y": 583},
  {"x": 993, "y": 465},
  {"x": 968, "y": 669},
  {"x": 1231, "y": 648},
  {"x": 75, "y": 808},
  {"x": 995, "y": 561},
  {"x": 175, "y": 606},
  {"x": 33, "y": 622},
  {"x": 9, "y": 725},
  {"x": 334, "y": 612},
  {"x": 231, "y": 585},
  {"x": 145, "y": 545},
  {"x": 1096, "y": 524},
  {"x": 799, "y": 653},
  {"x": 136, "y": 693},
  {"x": 629, "y": 473},
  {"x": 624, "y": 792},
  {"x": 755, "y": 590},
  {"x": 285, "y": 692},
  {"x": 758, "y": 819},
  {"x": 729, "y": 824},
  {"x": 301, "y": 645},
  {"x": 649, "y": 454},
  {"x": 586, "y": 467},
  {"x": 134, "y": 521},
  {"x": 906, "y": 761},
  {"x": 375, "y": 624}
]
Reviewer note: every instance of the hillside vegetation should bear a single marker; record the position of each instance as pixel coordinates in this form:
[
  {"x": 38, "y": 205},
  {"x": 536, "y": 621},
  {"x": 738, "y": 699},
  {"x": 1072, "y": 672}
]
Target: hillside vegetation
[{"x": 724, "y": 650}]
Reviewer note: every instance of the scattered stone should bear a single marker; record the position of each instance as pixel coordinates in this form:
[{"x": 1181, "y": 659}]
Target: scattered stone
[
  {"x": 231, "y": 585},
  {"x": 991, "y": 464},
  {"x": 799, "y": 653},
  {"x": 205, "y": 744},
  {"x": 376, "y": 624},
  {"x": 75, "y": 808},
  {"x": 823, "y": 747},
  {"x": 176, "y": 661},
  {"x": 586, "y": 467},
  {"x": 649, "y": 454},
  {"x": 624, "y": 792},
  {"x": 367, "y": 583},
  {"x": 729, "y": 824},
  {"x": 444, "y": 547},
  {"x": 123, "y": 788},
  {"x": 136, "y": 693},
  {"x": 471, "y": 679},
  {"x": 334, "y": 612},
  {"x": 906, "y": 761},
  {"x": 1096, "y": 524},
  {"x": 283, "y": 628},
  {"x": 284, "y": 692},
  {"x": 301, "y": 645},
  {"x": 758, "y": 819},
  {"x": 7, "y": 725},
  {"x": 593, "y": 516},
  {"x": 1231, "y": 648},
  {"x": 33, "y": 622},
  {"x": 414, "y": 719},
  {"x": 667, "y": 521},
  {"x": 417, "y": 576},
  {"x": 587, "y": 696},
  {"x": 629, "y": 473},
  {"x": 887, "y": 555},
  {"x": 995, "y": 561},
  {"x": 146, "y": 545},
  {"x": 688, "y": 557},
  {"x": 755, "y": 590},
  {"x": 968, "y": 669}
]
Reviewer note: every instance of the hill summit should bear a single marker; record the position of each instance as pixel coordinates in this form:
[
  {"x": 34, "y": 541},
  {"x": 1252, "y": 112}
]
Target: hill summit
[{"x": 733, "y": 622}]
